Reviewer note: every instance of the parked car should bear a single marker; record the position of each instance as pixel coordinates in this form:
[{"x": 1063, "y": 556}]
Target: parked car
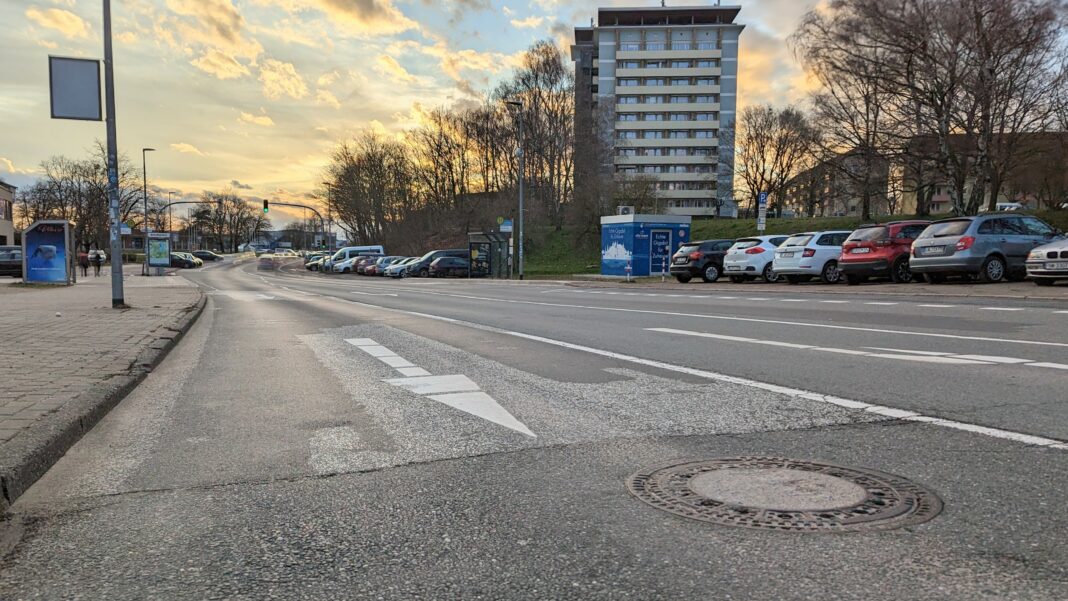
[
  {"x": 881, "y": 251},
  {"x": 11, "y": 261},
  {"x": 704, "y": 259},
  {"x": 207, "y": 255},
  {"x": 346, "y": 253},
  {"x": 1048, "y": 263},
  {"x": 750, "y": 258},
  {"x": 443, "y": 267},
  {"x": 400, "y": 268},
  {"x": 384, "y": 262},
  {"x": 990, "y": 247},
  {"x": 810, "y": 254},
  {"x": 196, "y": 261},
  {"x": 183, "y": 261},
  {"x": 421, "y": 266},
  {"x": 363, "y": 262}
]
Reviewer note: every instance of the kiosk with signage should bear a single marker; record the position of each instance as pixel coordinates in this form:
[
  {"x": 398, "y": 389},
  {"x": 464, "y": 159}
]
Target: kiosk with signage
[
  {"x": 641, "y": 245},
  {"x": 159, "y": 251},
  {"x": 48, "y": 253}
]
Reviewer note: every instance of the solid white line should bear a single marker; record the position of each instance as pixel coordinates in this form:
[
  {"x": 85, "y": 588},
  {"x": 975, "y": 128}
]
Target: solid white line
[
  {"x": 784, "y": 390},
  {"x": 1050, "y": 365},
  {"x": 1061, "y": 312},
  {"x": 900, "y": 350},
  {"x": 994, "y": 359}
]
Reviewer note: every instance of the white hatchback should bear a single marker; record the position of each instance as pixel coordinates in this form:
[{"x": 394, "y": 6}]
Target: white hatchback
[
  {"x": 810, "y": 254},
  {"x": 751, "y": 258}
]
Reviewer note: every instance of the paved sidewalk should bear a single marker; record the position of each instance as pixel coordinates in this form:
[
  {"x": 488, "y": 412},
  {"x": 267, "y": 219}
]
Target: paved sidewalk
[{"x": 66, "y": 357}]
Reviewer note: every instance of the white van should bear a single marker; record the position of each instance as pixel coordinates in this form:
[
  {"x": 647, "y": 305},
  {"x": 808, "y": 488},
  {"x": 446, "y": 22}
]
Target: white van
[{"x": 348, "y": 252}]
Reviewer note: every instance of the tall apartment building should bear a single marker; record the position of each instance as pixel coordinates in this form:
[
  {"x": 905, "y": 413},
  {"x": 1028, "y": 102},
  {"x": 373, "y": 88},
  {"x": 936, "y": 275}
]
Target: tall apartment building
[{"x": 658, "y": 85}]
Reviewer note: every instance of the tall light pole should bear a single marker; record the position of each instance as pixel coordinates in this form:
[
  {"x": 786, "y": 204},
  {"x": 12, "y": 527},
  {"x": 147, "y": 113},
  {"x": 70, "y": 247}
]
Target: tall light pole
[
  {"x": 117, "y": 298},
  {"x": 522, "y": 176},
  {"x": 144, "y": 196}
]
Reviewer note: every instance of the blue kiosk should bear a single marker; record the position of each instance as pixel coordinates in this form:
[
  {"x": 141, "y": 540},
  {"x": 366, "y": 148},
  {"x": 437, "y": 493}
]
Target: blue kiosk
[{"x": 644, "y": 242}]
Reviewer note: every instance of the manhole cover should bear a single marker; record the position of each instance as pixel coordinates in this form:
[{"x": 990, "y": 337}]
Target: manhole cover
[{"x": 786, "y": 494}]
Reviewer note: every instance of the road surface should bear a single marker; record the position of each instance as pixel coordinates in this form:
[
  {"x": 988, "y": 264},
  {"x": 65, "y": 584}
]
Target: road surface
[{"x": 347, "y": 437}]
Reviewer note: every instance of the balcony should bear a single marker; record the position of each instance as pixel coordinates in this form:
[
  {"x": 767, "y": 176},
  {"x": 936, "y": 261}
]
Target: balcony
[
  {"x": 668, "y": 160},
  {"x": 671, "y": 72},
  {"x": 666, "y": 107},
  {"x": 666, "y": 125},
  {"x": 667, "y": 89},
  {"x": 669, "y": 142},
  {"x": 667, "y": 54}
]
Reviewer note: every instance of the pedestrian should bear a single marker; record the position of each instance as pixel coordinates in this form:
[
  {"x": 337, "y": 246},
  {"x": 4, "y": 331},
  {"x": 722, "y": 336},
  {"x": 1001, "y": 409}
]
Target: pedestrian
[
  {"x": 83, "y": 262},
  {"x": 98, "y": 262}
]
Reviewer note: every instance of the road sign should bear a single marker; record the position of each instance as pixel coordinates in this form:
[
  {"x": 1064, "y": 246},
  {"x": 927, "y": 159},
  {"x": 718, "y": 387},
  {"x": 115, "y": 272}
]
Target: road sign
[
  {"x": 74, "y": 88},
  {"x": 500, "y": 220},
  {"x": 505, "y": 226},
  {"x": 762, "y": 211}
]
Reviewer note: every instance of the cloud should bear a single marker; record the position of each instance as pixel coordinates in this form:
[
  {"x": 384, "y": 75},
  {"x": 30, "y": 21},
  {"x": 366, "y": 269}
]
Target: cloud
[
  {"x": 328, "y": 78},
  {"x": 528, "y": 23},
  {"x": 213, "y": 28},
  {"x": 187, "y": 148},
  {"x": 7, "y": 165},
  {"x": 281, "y": 79},
  {"x": 327, "y": 97},
  {"x": 219, "y": 64},
  {"x": 239, "y": 185},
  {"x": 126, "y": 37},
  {"x": 263, "y": 120},
  {"x": 361, "y": 17},
  {"x": 65, "y": 22},
  {"x": 388, "y": 66}
]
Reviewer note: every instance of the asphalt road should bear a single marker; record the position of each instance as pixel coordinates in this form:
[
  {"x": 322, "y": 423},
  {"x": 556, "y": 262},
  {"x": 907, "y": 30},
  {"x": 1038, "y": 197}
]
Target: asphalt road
[{"x": 349, "y": 437}]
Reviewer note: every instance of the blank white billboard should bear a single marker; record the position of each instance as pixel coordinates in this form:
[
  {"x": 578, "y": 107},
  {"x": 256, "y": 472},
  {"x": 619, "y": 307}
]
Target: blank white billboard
[{"x": 74, "y": 85}]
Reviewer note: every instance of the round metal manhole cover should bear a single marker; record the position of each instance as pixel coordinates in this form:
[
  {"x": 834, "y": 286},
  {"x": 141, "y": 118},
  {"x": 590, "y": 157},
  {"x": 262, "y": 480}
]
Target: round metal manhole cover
[{"x": 786, "y": 494}]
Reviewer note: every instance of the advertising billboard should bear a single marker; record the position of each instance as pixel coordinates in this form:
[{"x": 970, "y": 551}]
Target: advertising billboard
[
  {"x": 46, "y": 253},
  {"x": 159, "y": 249}
]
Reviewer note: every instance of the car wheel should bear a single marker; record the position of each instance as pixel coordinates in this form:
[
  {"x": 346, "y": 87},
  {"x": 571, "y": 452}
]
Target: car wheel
[
  {"x": 993, "y": 270},
  {"x": 936, "y": 278},
  {"x": 831, "y": 273},
  {"x": 683, "y": 279},
  {"x": 793, "y": 279},
  {"x": 738, "y": 279},
  {"x": 854, "y": 280},
  {"x": 346, "y": 270},
  {"x": 769, "y": 274},
  {"x": 1043, "y": 282},
  {"x": 710, "y": 273},
  {"x": 900, "y": 272},
  {"x": 424, "y": 273}
]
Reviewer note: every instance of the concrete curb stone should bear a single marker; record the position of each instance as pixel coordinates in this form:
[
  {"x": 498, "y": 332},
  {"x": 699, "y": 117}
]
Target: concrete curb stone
[{"x": 30, "y": 454}]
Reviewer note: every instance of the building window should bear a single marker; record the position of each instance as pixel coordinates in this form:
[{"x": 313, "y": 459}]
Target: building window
[
  {"x": 628, "y": 135},
  {"x": 702, "y": 152},
  {"x": 704, "y": 117},
  {"x": 654, "y": 117},
  {"x": 707, "y": 99},
  {"x": 704, "y": 133},
  {"x": 679, "y": 45},
  {"x": 628, "y": 64},
  {"x": 627, "y": 152},
  {"x": 654, "y": 100},
  {"x": 627, "y": 117},
  {"x": 653, "y": 135},
  {"x": 628, "y": 169},
  {"x": 654, "y": 64},
  {"x": 680, "y": 134},
  {"x": 680, "y": 116},
  {"x": 677, "y": 152},
  {"x": 654, "y": 81},
  {"x": 708, "y": 63},
  {"x": 707, "y": 45},
  {"x": 680, "y": 99},
  {"x": 681, "y": 64},
  {"x": 653, "y": 152},
  {"x": 655, "y": 46},
  {"x": 707, "y": 81},
  {"x": 680, "y": 81},
  {"x": 628, "y": 99},
  {"x": 627, "y": 82},
  {"x": 630, "y": 46}
]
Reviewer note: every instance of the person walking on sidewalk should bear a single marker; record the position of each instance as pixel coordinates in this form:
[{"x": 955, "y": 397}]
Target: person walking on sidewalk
[
  {"x": 97, "y": 257},
  {"x": 83, "y": 262}
]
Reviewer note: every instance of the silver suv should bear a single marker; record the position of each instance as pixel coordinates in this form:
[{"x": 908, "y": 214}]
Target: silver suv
[{"x": 990, "y": 247}]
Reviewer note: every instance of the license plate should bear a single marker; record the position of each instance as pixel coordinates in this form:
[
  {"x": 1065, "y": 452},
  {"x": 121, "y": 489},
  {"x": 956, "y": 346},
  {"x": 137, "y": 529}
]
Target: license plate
[
  {"x": 860, "y": 251},
  {"x": 734, "y": 268},
  {"x": 1052, "y": 266},
  {"x": 786, "y": 255},
  {"x": 932, "y": 250},
  {"x": 680, "y": 260}
]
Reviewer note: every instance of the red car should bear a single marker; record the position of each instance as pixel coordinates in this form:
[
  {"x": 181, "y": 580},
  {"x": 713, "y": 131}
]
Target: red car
[{"x": 880, "y": 250}]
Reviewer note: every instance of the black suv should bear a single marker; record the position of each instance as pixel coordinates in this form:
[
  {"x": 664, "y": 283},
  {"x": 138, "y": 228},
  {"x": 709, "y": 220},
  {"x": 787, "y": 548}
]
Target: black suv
[
  {"x": 421, "y": 268},
  {"x": 703, "y": 259}
]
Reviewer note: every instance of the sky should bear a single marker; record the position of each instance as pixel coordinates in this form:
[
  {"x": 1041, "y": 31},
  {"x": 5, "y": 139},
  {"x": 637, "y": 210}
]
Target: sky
[{"x": 255, "y": 94}]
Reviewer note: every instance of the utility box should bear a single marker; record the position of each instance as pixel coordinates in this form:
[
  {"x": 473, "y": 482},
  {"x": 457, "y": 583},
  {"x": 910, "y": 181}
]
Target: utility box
[
  {"x": 641, "y": 245},
  {"x": 489, "y": 254}
]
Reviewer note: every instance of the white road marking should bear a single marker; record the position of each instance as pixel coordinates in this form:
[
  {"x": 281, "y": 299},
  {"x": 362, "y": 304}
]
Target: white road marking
[
  {"x": 410, "y": 372},
  {"x": 793, "y": 300},
  {"x": 937, "y": 306},
  {"x": 436, "y": 384},
  {"x": 835, "y": 302},
  {"x": 483, "y": 405},
  {"x": 1061, "y": 312},
  {"x": 377, "y": 351},
  {"x": 994, "y": 359},
  {"x": 898, "y": 350},
  {"x": 1001, "y": 309},
  {"x": 373, "y": 293},
  {"x": 758, "y": 299},
  {"x": 881, "y": 304},
  {"x": 397, "y": 362},
  {"x": 729, "y": 318},
  {"x": 1049, "y": 365}
]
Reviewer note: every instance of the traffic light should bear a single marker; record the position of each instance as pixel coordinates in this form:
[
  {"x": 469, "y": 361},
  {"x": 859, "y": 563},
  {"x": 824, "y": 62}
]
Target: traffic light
[{"x": 265, "y": 207}]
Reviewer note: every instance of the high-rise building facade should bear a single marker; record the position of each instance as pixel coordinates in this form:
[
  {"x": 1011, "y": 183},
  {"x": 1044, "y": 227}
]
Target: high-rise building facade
[{"x": 658, "y": 85}]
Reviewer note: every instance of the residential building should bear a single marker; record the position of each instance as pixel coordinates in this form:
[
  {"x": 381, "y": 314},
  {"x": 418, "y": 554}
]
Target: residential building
[
  {"x": 7, "y": 213},
  {"x": 835, "y": 187},
  {"x": 657, "y": 85}
]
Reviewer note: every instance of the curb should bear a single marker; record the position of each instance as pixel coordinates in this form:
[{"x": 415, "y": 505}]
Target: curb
[{"x": 34, "y": 451}]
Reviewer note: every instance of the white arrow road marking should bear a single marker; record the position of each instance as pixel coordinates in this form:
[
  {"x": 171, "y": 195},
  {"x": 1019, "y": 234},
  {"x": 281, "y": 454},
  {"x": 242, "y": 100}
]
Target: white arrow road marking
[{"x": 483, "y": 405}]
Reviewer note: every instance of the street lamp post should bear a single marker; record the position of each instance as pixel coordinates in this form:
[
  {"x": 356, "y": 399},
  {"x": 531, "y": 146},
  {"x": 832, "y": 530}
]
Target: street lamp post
[
  {"x": 117, "y": 298},
  {"x": 522, "y": 176},
  {"x": 144, "y": 196}
]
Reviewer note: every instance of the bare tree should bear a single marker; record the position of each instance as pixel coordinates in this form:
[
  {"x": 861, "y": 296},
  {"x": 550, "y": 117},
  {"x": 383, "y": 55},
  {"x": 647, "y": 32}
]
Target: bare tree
[{"x": 771, "y": 146}]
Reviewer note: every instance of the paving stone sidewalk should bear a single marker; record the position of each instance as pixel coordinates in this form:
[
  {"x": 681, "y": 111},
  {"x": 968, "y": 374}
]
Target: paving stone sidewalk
[{"x": 66, "y": 357}]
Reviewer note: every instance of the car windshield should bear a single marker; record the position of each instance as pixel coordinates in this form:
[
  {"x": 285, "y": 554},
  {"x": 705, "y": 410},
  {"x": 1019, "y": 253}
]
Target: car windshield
[
  {"x": 7, "y": 255},
  {"x": 745, "y": 243},
  {"x": 946, "y": 228},
  {"x": 868, "y": 234},
  {"x": 799, "y": 240}
]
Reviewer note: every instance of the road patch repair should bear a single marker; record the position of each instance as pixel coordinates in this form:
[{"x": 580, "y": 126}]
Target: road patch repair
[{"x": 784, "y": 494}]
